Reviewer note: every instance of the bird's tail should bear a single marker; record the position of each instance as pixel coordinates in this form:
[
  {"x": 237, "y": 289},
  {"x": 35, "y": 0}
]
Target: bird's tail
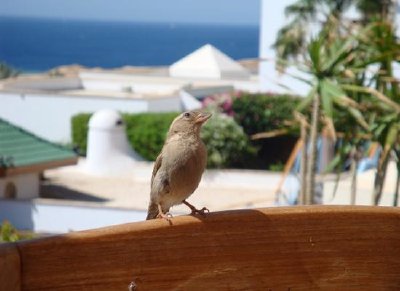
[{"x": 152, "y": 212}]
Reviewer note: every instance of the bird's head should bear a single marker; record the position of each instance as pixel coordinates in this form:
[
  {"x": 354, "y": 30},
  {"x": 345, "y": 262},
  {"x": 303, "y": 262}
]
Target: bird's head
[{"x": 189, "y": 122}]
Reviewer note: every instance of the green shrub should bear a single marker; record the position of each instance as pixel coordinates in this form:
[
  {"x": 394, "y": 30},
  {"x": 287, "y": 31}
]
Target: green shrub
[
  {"x": 8, "y": 233},
  {"x": 263, "y": 112},
  {"x": 227, "y": 144},
  {"x": 147, "y": 131},
  {"x": 79, "y": 131}
]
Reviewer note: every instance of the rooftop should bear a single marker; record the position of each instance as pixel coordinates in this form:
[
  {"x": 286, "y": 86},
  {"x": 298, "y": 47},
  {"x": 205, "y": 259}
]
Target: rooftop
[{"x": 20, "y": 148}]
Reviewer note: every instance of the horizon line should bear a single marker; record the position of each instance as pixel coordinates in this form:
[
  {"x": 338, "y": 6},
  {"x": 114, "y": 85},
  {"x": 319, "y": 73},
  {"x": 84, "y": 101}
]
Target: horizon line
[{"x": 128, "y": 21}]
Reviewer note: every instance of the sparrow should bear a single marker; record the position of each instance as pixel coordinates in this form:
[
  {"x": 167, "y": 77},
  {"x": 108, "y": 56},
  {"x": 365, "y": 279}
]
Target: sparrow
[{"x": 178, "y": 168}]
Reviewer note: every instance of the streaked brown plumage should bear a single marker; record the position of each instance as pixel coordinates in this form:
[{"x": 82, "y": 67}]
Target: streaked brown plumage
[{"x": 178, "y": 168}]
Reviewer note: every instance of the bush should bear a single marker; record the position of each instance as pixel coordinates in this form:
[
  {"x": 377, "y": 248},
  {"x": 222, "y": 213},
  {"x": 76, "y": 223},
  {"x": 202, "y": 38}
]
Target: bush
[
  {"x": 258, "y": 113},
  {"x": 262, "y": 113},
  {"x": 79, "y": 131},
  {"x": 8, "y": 233},
  {"x": 145, "y": 131},
  {"x": 227, "y": 144}
]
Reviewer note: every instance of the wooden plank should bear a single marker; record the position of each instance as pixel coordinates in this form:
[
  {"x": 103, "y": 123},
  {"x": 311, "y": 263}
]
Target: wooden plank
[
  {"x": 297, "y": 248},
  {"x": 10, "y": 269}
]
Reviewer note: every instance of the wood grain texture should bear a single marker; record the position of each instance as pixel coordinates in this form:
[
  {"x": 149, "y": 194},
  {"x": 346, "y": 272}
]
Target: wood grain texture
[
  {"x": 298, "y": 248},
  {"x": 10, "y": 269}
]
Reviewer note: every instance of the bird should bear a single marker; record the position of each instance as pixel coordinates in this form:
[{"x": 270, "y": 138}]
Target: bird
[{"x": 178, "y": 168}]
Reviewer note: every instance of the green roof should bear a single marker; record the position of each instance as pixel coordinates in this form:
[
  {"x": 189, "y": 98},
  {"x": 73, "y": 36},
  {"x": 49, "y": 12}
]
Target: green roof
[{"x": 19, "y": 147}]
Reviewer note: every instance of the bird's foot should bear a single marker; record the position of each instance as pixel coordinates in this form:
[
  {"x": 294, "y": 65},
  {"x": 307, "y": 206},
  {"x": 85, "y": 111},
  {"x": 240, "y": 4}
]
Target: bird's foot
[
  {"x": 167, "y": 216},
  {"x": 195, "y": 211},
  {"x": 202, "y": 211}
]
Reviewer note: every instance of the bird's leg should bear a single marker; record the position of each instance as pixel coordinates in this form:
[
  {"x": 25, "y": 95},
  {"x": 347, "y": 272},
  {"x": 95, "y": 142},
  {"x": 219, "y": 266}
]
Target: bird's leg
[
  {"x": 163, "y": 215},
  {"x": 202, "y": 211}
]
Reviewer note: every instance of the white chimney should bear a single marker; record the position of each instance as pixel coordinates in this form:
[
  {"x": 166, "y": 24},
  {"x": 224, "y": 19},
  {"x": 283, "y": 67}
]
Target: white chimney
[{"x": 108, "y": 149}]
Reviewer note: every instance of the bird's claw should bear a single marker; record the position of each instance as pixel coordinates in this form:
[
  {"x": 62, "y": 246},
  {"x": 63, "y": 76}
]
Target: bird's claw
[
  {"x": 167, "y": 216},
  {"x": 202, "y": 211}
]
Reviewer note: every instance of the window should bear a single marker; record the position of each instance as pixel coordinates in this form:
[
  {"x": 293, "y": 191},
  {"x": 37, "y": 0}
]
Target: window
[{"x": 10, "y": 191}]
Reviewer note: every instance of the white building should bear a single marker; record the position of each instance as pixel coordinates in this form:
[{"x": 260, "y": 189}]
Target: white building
[
  {"x": 23, "y": 157},
  {"x": 45, "y": 104},
  {"x": 272, "y": 19}
]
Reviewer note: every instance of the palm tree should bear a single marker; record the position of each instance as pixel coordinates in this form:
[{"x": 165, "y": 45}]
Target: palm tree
[
  {"x": 6, "y": 71},
  {"x": 291, "y": 44},
  {"x": 328, "y": 64},
  {"x": 382, "y": 49},
  {"x": 308, "y": 16}
]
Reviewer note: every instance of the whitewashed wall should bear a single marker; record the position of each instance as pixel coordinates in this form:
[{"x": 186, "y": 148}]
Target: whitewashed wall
[
  {"x": 27, "y": 185},
  {"x": 135, "y": 83},
  {"x": 164, "y": 104},
  {"x": 43, "y": 84},
  {"x": 272, "y": 19},
  {"x": 56, "y": 217},
  {"x": 49, "y": 116}
]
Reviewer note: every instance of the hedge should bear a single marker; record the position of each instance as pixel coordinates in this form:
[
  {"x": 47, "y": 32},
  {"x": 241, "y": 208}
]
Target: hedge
[
  {"x": 227, "y": 144},
  {"x": 79, "y": 130},
  {"x": 263, "y": 112},
  {"x": 227, "y": 138},
  {"x": 147, "y": 131}
]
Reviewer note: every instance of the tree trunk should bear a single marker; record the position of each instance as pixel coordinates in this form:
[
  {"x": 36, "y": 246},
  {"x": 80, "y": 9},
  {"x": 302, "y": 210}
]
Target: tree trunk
[
  {"x": 303, "y": 168},
  {"x": 396, "y": 191},
  {"x": 353, "y": 170},
  {"x": 380, "y": 180},
  {"x": 312, "y": 161}
]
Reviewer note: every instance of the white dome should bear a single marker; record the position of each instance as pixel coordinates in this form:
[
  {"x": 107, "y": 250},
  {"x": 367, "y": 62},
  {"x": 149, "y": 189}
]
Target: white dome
[{"x": 106, "y": 119}]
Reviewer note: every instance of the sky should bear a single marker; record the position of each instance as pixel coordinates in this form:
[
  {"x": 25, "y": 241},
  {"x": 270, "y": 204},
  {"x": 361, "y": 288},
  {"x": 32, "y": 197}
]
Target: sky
[{"x": 172, "y": 11}]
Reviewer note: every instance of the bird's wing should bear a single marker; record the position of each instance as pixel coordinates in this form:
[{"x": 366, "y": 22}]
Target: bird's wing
[{"x": 156, "y": 167}]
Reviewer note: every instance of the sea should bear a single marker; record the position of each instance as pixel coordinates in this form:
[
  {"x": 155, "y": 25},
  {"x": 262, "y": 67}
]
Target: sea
[{"x": 37, "y": 45}]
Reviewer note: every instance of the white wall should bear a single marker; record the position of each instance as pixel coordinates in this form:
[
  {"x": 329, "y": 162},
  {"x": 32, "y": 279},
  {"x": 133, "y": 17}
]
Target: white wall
[
  {"x": 49, "y": 116},
  {"x": 27, "y": 185},
  {"x": 60, "y": 218},
  {"x": 164, "y": 104},
  {"x": 55, "y": 83},
  {"x": 272, "y": 19},
  {"x": 132, "y": 86},
  {"x": 135, "y": 83}
]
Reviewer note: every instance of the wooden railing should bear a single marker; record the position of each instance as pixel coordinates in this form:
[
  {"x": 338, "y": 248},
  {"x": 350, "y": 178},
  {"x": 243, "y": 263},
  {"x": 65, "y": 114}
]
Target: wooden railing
[{"x": 298, "y": 248}]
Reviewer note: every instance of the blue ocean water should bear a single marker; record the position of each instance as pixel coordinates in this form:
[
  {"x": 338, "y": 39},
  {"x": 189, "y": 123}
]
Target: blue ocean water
[{"x": 40, "y": 44}]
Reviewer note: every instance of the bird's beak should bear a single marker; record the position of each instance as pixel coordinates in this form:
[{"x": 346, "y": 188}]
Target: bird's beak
[{"x": 202, "y": 117}]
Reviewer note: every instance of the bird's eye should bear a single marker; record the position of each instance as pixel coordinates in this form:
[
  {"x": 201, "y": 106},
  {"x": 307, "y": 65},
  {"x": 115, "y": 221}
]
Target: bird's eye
[{"x": 187, "y": 114}]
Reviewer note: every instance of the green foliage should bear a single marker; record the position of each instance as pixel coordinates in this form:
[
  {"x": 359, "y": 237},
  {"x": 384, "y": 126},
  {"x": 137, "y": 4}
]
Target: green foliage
[
  {"x": 79, "y": 131},
  {"x": 7, "y": 72},
  {"x": 278, "y": 167},
  {"x": 147, "y": 131},
  {"x": 227, "y": 144},
  {"x": 259, "y": 113},
  {"x": 8, "y": 233}
]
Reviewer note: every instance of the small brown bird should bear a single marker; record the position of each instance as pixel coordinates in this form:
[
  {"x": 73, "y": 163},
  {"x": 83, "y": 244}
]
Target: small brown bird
[{"x": 178, "y": 168}]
